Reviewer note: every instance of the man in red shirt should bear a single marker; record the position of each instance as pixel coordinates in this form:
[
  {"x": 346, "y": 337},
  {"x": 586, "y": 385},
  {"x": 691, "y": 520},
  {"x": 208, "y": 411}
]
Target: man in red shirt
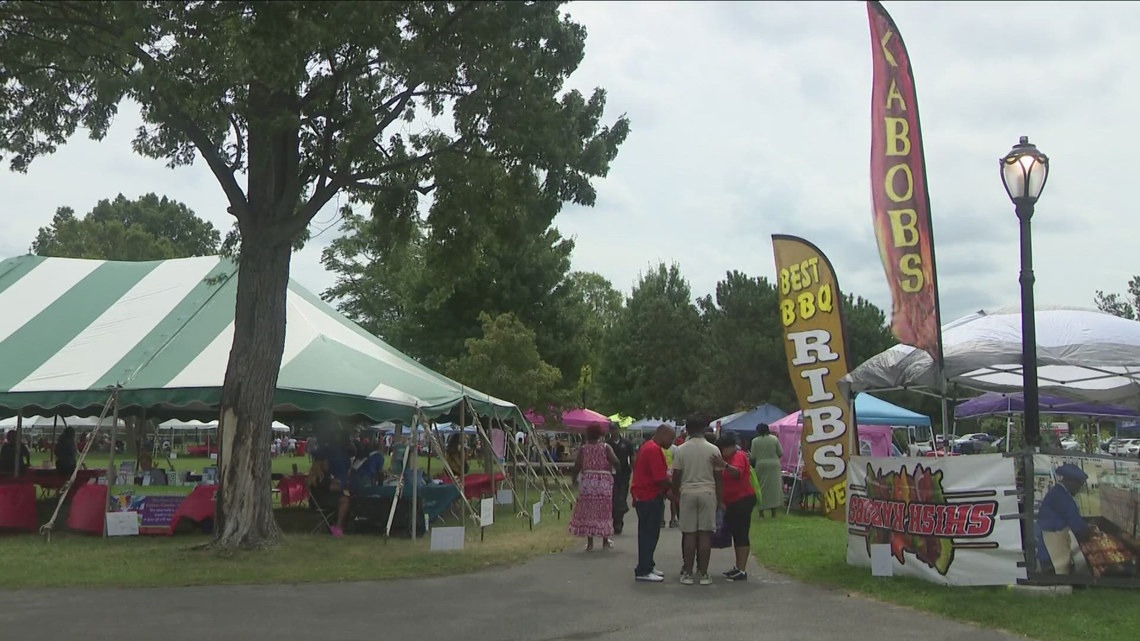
[{"x": 649, "y": 485}]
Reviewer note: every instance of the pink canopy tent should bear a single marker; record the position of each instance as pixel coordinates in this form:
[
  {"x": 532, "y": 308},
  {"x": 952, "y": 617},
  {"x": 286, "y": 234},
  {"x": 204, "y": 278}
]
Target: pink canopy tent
[
  {"x": 572, "y": 420},
  {"x": 789, "y": 430}
]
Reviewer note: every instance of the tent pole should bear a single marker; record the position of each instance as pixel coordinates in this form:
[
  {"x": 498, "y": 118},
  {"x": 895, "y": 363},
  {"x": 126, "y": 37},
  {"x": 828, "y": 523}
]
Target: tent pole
[
  {"x": 51, "y": 446},
  {"x": 111, "y": 472},
  {"x": 415, "y": 472},
  {"x": 462, "y": 471},
  {"x": 19, "y": 443}
]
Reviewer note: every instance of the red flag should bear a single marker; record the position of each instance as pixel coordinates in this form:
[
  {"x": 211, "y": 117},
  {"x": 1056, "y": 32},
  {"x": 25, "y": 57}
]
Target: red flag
[{"x": 898, "y": 190}]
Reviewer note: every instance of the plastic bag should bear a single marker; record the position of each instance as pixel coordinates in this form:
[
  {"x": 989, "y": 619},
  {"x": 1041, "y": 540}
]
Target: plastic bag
[{"x": 722, "y": 537}]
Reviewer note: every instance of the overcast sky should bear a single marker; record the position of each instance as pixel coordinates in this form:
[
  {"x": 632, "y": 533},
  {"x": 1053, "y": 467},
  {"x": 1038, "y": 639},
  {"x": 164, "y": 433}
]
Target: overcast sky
[{"x": 751, "y": 119}]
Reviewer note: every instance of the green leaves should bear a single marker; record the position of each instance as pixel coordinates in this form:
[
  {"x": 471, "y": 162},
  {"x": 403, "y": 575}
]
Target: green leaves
[
  {"x": 505, "y": 363},
  {"x": 149, "y": 228}
]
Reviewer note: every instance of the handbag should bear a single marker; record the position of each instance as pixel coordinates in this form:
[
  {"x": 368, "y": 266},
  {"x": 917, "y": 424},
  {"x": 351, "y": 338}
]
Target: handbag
[
  {"x": 722, "y": 537},
  {"x": 756, "y": 485}
]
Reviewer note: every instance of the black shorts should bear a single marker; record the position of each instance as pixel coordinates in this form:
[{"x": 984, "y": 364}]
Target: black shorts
[{"x": 738, "y": 518}]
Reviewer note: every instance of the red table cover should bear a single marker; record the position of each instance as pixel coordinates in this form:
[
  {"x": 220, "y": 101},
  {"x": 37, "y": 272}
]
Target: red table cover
[
  {"x": 18, "y": 507},
  {"x": 88, "y": 509},
  {"x": 197, "y": 507},
  {"x": 476, "y": 485}
]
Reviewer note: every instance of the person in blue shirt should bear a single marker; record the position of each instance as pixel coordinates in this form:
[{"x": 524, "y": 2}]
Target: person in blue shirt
[{"x": 1059, "y": 517}]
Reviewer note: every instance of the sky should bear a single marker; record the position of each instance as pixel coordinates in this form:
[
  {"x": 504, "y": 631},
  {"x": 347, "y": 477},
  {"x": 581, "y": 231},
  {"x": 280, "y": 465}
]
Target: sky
[{"x": 752, "y": 119}]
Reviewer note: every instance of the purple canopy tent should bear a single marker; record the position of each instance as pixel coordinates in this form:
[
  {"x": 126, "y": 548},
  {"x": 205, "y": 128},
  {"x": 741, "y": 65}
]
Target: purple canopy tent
[{"x": 995, "y": 404}]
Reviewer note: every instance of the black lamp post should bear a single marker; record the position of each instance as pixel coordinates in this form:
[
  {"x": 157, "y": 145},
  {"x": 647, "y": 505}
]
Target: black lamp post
[{"x": 1024, "y": 171}]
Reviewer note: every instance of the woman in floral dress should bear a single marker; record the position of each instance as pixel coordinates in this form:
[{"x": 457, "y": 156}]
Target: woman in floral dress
[{"x": 594, "y": 472}]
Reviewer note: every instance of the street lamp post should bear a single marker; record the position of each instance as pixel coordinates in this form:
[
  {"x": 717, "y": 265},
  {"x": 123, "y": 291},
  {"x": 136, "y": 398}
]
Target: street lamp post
[{"x": 1024, "y": 171}]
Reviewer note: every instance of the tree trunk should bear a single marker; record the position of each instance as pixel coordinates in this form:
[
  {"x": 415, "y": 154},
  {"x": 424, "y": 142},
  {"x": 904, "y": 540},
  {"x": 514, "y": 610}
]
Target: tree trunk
[{"x": 245, "y": 503}]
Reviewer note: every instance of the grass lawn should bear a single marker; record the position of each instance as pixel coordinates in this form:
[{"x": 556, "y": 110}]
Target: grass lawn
[
  {"x": 813, "y": 549},
  {"x": 73, "y": 560}
]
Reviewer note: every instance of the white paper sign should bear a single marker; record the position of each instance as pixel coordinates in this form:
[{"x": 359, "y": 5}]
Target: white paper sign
[
  {"x": 447, "y": 538},
  {"x": 505, "y": 497},
  {"x": 939, "y": 518},
  {"x": 536, "y": 513},
  {"x": 486, "y": 512},
  {"x": 122, "y": 523},
  {"x": 881, "y": 560}
]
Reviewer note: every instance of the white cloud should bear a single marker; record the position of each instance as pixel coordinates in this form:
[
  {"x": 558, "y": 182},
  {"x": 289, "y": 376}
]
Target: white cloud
[{"x": 753, "y": 118}]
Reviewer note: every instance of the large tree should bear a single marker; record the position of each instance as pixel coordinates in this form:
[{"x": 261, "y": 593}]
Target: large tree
[
  {"x": 404, "y": 286},
  {"x": 504, "y": 362},
  {"x": 291, "y": 104},
  {"x": 743, "y": 362},
  {"x": 652, "y": 354},
  {"x": 148, "y": 228}
]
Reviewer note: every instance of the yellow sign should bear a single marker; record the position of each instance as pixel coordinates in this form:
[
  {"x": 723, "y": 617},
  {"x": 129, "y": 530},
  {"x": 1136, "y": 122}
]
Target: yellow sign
[{"x": 811, "y": 311}]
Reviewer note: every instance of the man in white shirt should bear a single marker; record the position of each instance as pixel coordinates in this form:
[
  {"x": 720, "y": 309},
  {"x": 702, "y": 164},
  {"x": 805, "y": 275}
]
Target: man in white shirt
[{"x": 697, "y": 480}]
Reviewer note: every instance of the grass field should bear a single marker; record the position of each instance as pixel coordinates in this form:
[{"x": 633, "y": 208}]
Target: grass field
[
  {"x": 813, "y": 549},
  {"x": 73, "y": 560}
]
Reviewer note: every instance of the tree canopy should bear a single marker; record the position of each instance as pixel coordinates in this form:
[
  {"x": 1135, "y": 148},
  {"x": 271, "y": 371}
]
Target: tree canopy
[
  {"x": 148, "y": 228},
  {"x": 505, "y": 362}
]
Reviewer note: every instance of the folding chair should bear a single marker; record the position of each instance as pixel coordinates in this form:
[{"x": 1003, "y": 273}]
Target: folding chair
[{"x": 327, "y": 516}]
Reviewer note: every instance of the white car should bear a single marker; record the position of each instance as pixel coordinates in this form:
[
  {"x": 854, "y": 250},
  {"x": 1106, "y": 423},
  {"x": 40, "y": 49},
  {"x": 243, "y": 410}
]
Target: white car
[
  {"x": 1125, "y": 447},
  {"x": 977, "y": 437},
  {"x": 1070, "y": 444}
]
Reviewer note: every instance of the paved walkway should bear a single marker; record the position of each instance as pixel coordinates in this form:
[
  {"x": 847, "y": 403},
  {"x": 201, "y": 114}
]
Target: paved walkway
[{"x": 573, "y": 596}]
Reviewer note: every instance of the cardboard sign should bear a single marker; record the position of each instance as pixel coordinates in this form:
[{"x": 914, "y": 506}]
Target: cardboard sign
[
  {"x": 122, "y": 523},
  {"x": 486, "y": 512},
  {"x": 447, "y": 538},
  {"x": 536, "y": 513}
]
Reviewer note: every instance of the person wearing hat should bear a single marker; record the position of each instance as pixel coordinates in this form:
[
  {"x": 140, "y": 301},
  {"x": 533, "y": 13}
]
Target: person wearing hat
[{"x": 1059, "y": 517}]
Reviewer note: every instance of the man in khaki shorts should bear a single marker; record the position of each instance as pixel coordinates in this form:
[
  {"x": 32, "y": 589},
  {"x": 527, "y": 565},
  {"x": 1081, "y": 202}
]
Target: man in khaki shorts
[{"x": 697, "y": 479}]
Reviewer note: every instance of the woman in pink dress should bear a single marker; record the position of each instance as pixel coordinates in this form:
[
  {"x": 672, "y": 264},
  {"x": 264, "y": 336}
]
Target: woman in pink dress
[{"x": 594, "y": 472}]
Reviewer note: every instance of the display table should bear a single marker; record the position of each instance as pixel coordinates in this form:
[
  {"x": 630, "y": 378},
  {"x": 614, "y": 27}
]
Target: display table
[
  {"x": 50, "y": 479},
  {"x": 436, "y": 499},
  {"x": 18, "y": 507},
  {"x": 294, "y": 490},
  {"x": 477, "y": 485},
  {"x": 198, "y": 507}
]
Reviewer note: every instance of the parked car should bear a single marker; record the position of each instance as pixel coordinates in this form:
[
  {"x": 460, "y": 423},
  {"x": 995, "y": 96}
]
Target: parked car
[
  {"x": 1125, "y": 447},
  {"x": 1070, "y": 444},
  {"x": 977, "y": 437}
]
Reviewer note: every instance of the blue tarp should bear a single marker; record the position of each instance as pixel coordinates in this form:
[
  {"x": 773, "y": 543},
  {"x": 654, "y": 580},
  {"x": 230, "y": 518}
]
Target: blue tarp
[{"x": 747, "y": 422}]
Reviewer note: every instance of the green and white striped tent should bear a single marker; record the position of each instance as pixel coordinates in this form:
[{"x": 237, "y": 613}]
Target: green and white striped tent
[{"x": 70, "y": 329}]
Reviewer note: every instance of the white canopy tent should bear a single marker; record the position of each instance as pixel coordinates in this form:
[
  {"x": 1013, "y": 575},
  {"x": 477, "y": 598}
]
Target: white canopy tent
[
  {"x": 1081, "y": 353},
  {"x": 176, "y": 425}
]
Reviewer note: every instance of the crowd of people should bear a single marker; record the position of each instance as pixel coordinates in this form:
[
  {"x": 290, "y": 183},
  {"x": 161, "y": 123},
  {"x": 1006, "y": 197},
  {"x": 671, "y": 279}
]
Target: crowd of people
[{"x": 711, "y": 484}]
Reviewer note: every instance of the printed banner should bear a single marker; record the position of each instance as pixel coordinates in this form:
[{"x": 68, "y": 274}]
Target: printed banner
[
  {"x": 1087, "y": 518},
  {"x": 811, "y": 310},
  {"x": 941, "y": 517},
  {"x": 898, "y": 190}
]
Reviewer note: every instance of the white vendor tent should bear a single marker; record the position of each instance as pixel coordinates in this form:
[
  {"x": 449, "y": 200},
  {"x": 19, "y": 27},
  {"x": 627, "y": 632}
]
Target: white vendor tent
[
  {"x": 161, "y": 331},
  {"x": 1081, "y": 353}
]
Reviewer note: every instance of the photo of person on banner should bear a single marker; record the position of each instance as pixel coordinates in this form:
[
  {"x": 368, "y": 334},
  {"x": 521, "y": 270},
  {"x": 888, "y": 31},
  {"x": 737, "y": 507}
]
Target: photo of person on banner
[{"x": 1059, "y": 519}]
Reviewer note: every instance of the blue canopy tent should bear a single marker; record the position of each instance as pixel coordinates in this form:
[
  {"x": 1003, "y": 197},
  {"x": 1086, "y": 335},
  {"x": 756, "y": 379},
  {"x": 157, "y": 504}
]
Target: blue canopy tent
[
  {"x": 746, "y": 422},
  {"x": 871, "y": 410}
]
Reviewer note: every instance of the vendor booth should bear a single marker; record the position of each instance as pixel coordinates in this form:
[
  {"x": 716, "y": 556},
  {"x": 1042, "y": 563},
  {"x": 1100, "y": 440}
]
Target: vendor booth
[
  {"x": 1086, "y": 360},
  {"x": 152, "y": 339}
]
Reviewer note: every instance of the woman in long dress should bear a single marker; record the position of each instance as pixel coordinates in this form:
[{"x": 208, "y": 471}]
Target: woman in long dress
[
  {"x": 766, "y": 453},
  {"x": 593, "y": 471}
]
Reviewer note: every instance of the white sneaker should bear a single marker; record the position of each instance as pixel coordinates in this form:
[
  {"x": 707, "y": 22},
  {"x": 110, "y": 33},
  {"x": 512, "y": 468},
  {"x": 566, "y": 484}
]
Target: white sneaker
[
  {"x": 705, "y": 579},
  {"x": 686, "y": 578},
  {"x": 651, "y": 578},
  {"x": 658, "y": 573}
]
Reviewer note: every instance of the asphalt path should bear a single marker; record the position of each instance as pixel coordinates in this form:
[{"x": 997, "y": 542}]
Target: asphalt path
[{"x": 573, "y": 596}]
